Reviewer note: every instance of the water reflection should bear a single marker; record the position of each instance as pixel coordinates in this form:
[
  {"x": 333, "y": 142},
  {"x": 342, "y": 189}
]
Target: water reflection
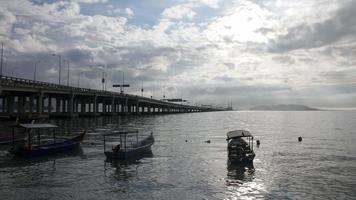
[
  {"x": 124, "y": 169},
  {"x": 239, "y": 173}
]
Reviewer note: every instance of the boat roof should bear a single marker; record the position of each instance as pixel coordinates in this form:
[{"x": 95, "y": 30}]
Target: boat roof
[
  {"x": 238, "y": 133},
  {"x": 120, "y": 132},
  {"x": 37, "y": 126}
]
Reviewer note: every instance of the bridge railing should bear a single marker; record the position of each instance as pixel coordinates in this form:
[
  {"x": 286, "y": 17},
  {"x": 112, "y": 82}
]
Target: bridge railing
[{"x": 14, "y": 81}]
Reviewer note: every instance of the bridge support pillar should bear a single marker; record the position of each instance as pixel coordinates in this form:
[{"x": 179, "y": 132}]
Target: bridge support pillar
[
  {"x": 58, "y": 105},
  {"x": 3, "y": 104},
  {"x": 49, "y": 102},
  {"x": 113, "y": 105},
  {"x": 137, "y": 107},
  {"x": 71, "y": 105},
  {"x": 82, "y": 106},
  {"x": 31, "y": 108},
  {"x": 10, "y": 104},
  {"x": 125, "y": 107},
  {"x": 20, "y": 104},
  {"x": 39, "y": 103},
  {"x": 95, "y": 104},
  {"x": 105, "y": 107}
]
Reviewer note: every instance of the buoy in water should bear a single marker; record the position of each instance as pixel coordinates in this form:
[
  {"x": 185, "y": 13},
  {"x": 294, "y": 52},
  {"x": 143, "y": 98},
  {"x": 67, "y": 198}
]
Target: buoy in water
[
  {"x": 300, "y": 138},
  {"x": 258, "y": 142},
  {"x": 186, "y": 140},
  {"x": 208, "y": 141}
]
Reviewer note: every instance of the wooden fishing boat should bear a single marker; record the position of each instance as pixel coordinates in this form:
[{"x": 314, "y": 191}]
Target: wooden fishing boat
[
  {"x": 45, "y": 147},
  {"x": 128, "y": 144},
  {"x": 240, "y": 150}
]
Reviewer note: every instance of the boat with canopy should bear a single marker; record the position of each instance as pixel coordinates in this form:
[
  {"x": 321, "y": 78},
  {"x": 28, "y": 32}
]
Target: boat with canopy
[
  {"x": 240, "y": 146},
  {"x": 127, "y": 144},
  {"x": 36, "y": 146}
]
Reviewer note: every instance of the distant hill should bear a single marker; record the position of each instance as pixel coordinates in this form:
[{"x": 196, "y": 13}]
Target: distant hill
[{"x": 284, "y": 108}]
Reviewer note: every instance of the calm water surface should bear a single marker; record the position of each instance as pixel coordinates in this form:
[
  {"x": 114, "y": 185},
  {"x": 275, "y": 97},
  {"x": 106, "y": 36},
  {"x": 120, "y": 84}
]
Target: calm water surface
[{"x": 323, "y": 166}]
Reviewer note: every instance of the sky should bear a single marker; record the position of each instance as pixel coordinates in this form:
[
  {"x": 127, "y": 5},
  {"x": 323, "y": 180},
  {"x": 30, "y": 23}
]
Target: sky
[{"x": 248, "y": 52}]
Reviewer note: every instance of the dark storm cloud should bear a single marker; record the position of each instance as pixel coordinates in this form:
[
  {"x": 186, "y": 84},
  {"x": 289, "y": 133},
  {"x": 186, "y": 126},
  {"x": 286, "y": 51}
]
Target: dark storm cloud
[{"x": 341, "y": 26}]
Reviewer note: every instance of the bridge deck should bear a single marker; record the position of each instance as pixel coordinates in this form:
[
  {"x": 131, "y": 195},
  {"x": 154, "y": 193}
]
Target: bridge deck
[{"x": 24, "y": 97}]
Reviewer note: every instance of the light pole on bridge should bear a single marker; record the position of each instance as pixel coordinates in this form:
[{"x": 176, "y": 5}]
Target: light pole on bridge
[
  {"x": 60, "y": 60},
  {"x": 103, "y": 77},
  {"x": 67, "y": 61},
  {"x": 142, "y": 87},
  {"x": 2, "y": 55},
  {"x": 123, "y": 85},
  {"x": 35, "y": 72}
]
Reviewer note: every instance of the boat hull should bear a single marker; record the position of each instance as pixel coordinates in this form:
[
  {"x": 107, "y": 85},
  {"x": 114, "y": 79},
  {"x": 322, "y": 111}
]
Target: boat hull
[
  {"x": 133, "y": 153},
  {"x": 125, "y": 155},
  {"x": 59, "y": 147}
]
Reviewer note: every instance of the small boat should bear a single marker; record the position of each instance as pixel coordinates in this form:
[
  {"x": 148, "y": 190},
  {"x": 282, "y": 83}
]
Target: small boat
[
  {"x": 43, "y": 147},
  {"x": 128, "y": 145},
  {"x": 240, "y": 150}
]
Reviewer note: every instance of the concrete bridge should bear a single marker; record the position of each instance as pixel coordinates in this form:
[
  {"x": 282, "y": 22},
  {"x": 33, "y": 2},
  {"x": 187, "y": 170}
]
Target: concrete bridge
[{"x": 35, "y": 99}]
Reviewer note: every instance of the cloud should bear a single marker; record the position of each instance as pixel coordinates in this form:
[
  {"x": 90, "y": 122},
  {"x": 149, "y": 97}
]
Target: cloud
[
  {"x": 210, "y": 3},
  {"x": 6, "y": 20},
  {"x": 338, "y": 28},
  {"x": 180, "y": 11},
  {"x": 129, "y": 12},
  {"x": 91, "y": 1},
  {"x": 202, "y": 50},
  {"x": 119, "y": 11}
]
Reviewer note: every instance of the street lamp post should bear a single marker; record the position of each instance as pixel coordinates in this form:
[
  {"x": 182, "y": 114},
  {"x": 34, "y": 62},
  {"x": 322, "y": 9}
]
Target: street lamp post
[
  {"x": 60, "y": 60},
  {"x": 123, "y": 82},
  {"x": 2, "y": 55},
  {"x": 122, "y": 86},
  {"x": 164, "y": 92},
  {"x": 35, "y": 72},
  {"x": 103, "y": 76},
  {"x": 67, "y": 70},
  {"x": 142, "y": 87}
]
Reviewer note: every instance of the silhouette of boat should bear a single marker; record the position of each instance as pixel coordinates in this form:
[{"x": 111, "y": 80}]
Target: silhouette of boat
[
  {"x": 43, "y": 147},
  {"x": 240, "y": 150},
  {"x": 127, "y": 144}
]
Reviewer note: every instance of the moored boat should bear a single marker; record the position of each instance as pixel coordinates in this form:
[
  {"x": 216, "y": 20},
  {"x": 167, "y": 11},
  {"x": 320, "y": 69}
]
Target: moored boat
[
  {"x": 42, "y": 147},
  {"x": 128, "y": 144},
  {"x": 240, "y": 150}
]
